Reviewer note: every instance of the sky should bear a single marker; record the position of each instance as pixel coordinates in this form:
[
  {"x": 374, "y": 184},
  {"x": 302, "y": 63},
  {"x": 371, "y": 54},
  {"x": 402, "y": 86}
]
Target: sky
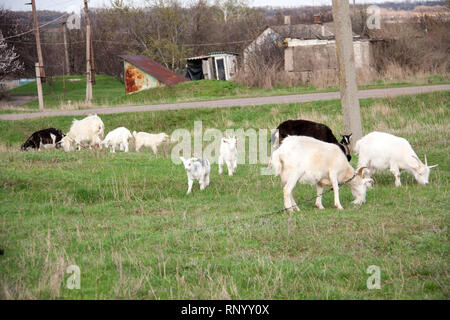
[{"x": 62, "y": 5}]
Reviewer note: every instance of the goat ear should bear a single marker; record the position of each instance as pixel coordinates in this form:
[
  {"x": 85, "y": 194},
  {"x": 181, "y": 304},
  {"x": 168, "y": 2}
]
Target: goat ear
[
  {"x": 182, "y": 159},
  {"x": 360, "y": 171},
  {"x": 419, "y": 163}
]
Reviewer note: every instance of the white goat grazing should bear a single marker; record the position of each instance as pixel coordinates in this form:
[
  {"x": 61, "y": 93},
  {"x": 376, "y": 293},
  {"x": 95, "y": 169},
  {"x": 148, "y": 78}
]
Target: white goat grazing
[
  {"x": 197, "y": 169},
  {"x": 228, "y": 155},
  {"x": 380, "y": 150},
  {"x": 88, "y": 131},
  {"x": 311, "y": 161},
  {"x": 144, "y": 139},
  {"x": 117, "y": 139}
]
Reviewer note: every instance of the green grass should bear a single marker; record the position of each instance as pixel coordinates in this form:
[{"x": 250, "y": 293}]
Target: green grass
[
  {"x": 126, "y": 221},
  {"x": 110, "y": 92}
]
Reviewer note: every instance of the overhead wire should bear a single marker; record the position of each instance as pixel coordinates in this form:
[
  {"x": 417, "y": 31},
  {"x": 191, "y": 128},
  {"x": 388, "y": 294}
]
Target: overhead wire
[{"x": 32, "y": 30}]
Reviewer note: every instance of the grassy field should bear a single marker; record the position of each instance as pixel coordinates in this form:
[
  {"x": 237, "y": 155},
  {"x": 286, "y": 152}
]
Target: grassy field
[
  {"x": 110, "y": 92},
  {"x": 126, "y": 221}
]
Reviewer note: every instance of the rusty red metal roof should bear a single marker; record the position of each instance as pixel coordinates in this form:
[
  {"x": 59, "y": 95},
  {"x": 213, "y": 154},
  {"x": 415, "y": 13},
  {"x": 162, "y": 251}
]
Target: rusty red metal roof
[{"x": 154, "y": 69}]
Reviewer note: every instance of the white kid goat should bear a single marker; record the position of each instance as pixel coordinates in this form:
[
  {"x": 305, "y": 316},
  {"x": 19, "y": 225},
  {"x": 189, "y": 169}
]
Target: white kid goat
[
  {"x": 197, "y": 169},
  {"x": 310, "y": 161},
  {"x": 380, "y": 150},
  {"x": 117, "y": 139},
  {"x": 228, "y": 155},
  {"x": 144, "y": 139}
]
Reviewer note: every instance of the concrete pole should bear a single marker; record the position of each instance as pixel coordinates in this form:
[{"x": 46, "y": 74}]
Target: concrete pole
[
  {"x": 88, "y": 23},
  {"x": 38, "y": 40},
  {"x": 88, "y": 65},
  {"x": 39, "y": 86},
  {"x": 347, "y": 72}
]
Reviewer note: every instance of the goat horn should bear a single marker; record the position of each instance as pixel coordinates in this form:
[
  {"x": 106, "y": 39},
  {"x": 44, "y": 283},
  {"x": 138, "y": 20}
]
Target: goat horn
[
  {"x": 433, "y": 166},
  {"x": 426, "y": 162},
  {"x": 360, "y": 171},
  {"x": 418, "y": 160}
]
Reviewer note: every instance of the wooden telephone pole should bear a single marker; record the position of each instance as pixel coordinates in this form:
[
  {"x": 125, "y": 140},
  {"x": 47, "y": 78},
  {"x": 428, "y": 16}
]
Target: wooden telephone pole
[
  {"x": 347, "y": 72},
  {"x": 38, "y": 41},
  {"x": 66, "y": 50}
]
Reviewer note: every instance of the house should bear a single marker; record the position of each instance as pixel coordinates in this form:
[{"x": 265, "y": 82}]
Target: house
[
  {"x": 304, "y": 59},
  {"x": 215, "y": 65},
  {"x": 309, "y": 49},
  {"x": 142, "y": 73},
  {"x": 277, "y": 35}
]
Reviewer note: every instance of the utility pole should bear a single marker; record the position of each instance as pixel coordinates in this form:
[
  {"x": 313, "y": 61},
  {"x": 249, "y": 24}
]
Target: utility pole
[
  {"x": 66, "y": 50},
  {"x": 347, "y": 73},
  {"x": 88, "y": 22},
  {"x": 38, "y": 41},
  {"x": 39, "y": 86},
  {"x": 88, "y": 65},
  {"x": 88, "y": 57}
]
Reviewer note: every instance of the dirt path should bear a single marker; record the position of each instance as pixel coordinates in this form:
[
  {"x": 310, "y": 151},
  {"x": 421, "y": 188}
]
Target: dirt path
[{"x": 362, "y": 94}]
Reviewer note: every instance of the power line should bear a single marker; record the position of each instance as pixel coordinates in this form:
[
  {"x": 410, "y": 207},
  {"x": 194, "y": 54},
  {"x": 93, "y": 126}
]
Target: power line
[
  {"x": 32, "y": 30},
  {"x": 122, "y": 42}
]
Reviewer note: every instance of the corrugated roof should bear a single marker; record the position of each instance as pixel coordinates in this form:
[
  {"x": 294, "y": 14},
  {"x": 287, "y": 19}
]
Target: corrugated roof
[
  {"x": 223, "y": 52},
  {"x": 198, "y": 57},
  {"x": 307, "y": 31},
  {"x": 205, "y": 56},
  {"x": 153, "y": 68},
  {"x": 304, "y": 31}
]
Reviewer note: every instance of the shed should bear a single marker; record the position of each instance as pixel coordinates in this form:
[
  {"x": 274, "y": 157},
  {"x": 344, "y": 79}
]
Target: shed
[
  {"x": 140, "y": 73},
  {"x": 215, "y": 65},
  {"x": 278, "y": 34}
]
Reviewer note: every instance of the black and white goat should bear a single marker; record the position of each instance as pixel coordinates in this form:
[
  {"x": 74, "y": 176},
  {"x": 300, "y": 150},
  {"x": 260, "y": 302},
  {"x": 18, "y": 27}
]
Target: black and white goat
[
  {"x": 44, "y": 138},
  {"x": 312, "y": 129}
]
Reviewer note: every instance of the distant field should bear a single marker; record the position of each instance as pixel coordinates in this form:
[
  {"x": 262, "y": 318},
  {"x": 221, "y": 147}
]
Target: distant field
[
  {"x": 110, "y": 92},
  {"x": 126, "y": 221}
]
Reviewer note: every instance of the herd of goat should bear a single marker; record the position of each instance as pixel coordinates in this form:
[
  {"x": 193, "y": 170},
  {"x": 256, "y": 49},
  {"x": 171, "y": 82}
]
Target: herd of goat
[{"x": 305, "y": 152}]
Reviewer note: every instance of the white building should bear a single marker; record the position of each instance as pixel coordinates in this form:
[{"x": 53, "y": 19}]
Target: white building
[
  {"x": 308, "y": 49},
  {"x": 216, "y": 65}
]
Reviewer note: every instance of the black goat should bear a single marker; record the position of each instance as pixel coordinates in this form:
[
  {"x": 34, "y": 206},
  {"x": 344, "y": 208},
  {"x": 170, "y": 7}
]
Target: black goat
[
  {"x": 47, "y": 136},
  {"x": 312, "y": 129}
]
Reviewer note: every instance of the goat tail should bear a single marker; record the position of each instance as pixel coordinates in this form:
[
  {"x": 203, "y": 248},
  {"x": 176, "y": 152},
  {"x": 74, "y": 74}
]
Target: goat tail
[
  {"x": 276, "y": 163},
  {"x": 275, "y": 138},
  {"x": 134, "y": 134}
]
